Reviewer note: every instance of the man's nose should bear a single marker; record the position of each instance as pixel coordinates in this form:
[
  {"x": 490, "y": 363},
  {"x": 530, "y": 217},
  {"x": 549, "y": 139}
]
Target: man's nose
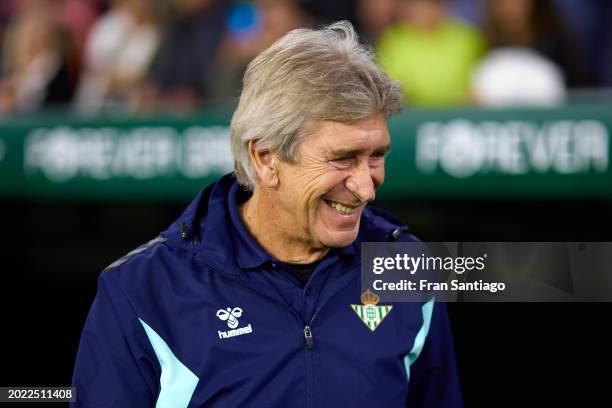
[{"x": 361, "y": 184}]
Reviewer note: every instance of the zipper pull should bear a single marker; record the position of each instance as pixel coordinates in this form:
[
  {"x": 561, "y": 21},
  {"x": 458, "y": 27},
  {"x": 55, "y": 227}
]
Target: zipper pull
[{"x": 308, "y": 336}]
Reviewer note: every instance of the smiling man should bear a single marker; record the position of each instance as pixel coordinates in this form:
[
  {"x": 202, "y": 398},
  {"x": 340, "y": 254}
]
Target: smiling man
[
  {"x": 321, "y": 193},
  {"x": 252, "y": 297}
]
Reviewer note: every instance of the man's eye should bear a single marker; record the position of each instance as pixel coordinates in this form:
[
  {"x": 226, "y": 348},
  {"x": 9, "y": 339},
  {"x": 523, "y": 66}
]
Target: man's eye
[
  {"x": 377, "y": 159},
  {"x": 342, "y": 161}
]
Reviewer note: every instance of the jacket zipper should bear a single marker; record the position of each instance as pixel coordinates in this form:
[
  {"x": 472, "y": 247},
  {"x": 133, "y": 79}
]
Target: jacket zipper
[
  {"x": 309, "y": 363},
  {"x": 309, "y": 338},
  {"x": 309, "y": 366}
]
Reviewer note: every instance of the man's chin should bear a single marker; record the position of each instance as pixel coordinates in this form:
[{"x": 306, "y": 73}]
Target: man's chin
[{"x": 340, "y": 239}]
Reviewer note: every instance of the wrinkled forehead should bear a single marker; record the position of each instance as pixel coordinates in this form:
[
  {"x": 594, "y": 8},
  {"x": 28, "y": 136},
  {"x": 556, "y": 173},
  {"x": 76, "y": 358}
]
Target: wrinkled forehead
[{"x": 365, "y": 135}]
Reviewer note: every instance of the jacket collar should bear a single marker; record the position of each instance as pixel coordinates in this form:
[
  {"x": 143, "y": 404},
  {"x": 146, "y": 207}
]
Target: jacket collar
[
  {"x": 205, "y": 228},
  {"x": 212, "y": 227}
]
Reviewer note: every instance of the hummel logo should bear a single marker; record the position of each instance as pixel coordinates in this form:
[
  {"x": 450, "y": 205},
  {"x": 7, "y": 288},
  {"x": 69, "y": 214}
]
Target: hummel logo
[{"x": 231, "y": 316}]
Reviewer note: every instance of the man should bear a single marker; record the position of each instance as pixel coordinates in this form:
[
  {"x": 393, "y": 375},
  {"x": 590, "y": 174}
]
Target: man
[{"x": 246, "y": 299}]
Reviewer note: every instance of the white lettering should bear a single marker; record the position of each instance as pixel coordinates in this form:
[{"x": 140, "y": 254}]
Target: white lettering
[
  {"x": 235, "y": 332},
  {"x": 462, "y": 148},
  {"x": 63, "y": 153}
]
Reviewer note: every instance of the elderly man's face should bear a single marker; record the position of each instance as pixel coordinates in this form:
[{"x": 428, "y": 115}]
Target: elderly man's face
[{"x": 336, "y": 173}]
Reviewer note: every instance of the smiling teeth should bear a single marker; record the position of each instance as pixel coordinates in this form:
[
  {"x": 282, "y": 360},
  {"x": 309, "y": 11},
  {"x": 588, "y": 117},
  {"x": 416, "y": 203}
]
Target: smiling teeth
[{"x": 341, "y": 208}]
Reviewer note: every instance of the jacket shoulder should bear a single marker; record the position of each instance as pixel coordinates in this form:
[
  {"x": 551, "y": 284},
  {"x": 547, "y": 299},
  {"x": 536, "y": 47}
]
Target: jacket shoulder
[
  {"x": 142, "y": 250},
  {"x": 380, "y": 226},
  {"x": 142, "y": 264},
  {"x": 139, "y": 277}
]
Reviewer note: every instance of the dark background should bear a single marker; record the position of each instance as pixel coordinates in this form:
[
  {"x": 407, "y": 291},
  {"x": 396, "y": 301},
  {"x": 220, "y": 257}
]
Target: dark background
[
  {"x": 515, "y": 354},
  {"x": 510, "y": 354}
]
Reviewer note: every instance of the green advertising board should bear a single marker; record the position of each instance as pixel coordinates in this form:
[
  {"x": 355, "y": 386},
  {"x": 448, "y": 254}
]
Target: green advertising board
[{"x": 527, "y": 153}]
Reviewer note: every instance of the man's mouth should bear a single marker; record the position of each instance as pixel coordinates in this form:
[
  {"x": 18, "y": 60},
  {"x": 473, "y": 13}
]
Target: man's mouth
[{"x": 341, "y": 208}]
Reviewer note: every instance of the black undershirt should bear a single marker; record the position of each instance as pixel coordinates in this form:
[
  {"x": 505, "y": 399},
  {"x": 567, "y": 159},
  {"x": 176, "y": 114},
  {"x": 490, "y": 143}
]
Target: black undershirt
[{"x": 301, "y": 272}]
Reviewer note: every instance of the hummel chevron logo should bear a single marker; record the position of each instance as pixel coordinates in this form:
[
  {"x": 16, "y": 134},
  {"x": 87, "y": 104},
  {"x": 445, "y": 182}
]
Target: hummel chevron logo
[{"x": 231, "y": 316}]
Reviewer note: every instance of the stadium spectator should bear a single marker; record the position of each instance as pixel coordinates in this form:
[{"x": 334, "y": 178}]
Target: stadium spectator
[
  {"x": 590, "y": 21},
  {"x": 182, "y": 69},
  {"x": 6, "y": 12},
  {"x": 325, "y": 11},
  {"x": 517, "y": 77},
  {"x": 37, "y": 56},
  {"x": 604, "y": 53},
  {"x": 431, "y": 54},
  {"x": 253, "y": 27},
  {"x": 78, "y": 17},
  {"x": 468, "y": 10},
  {"x": 536, "y": 25},
  {"x": 118, "y": 55},
  {"x": 374, "y": 17}
]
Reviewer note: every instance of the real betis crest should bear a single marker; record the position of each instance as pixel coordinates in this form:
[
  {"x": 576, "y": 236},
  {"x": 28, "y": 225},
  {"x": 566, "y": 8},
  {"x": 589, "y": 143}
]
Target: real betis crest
[{"x": 369, "y": 313}]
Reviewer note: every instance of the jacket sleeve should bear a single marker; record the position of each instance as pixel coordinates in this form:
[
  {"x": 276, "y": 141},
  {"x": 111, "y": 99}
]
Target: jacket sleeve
[
  {"x": 113, "y": 366},
  {"x": 432, "y": 370}
]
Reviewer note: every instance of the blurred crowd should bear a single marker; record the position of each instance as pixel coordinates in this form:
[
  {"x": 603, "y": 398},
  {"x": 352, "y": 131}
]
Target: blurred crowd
[{"x": 140, "y": 56}]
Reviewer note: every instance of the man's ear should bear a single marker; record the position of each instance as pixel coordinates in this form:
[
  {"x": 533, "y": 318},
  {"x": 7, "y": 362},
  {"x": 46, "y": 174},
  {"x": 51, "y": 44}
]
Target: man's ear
[{"x": 265, "y": 164}]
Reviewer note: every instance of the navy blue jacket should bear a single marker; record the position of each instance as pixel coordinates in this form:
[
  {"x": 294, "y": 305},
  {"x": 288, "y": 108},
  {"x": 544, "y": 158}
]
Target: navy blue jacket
[{"x": 202, "y": 317}]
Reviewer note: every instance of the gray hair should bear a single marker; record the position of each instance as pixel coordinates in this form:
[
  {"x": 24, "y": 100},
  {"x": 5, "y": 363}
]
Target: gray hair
[{"x": 305, "y": 77}]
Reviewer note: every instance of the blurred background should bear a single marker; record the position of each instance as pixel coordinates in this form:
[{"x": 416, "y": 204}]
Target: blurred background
[{"x": 114, "y": 114}]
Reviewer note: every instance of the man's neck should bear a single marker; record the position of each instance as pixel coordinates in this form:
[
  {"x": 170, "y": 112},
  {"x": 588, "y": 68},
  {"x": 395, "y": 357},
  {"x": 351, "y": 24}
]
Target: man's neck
[{"x": 268, "y": 223}]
